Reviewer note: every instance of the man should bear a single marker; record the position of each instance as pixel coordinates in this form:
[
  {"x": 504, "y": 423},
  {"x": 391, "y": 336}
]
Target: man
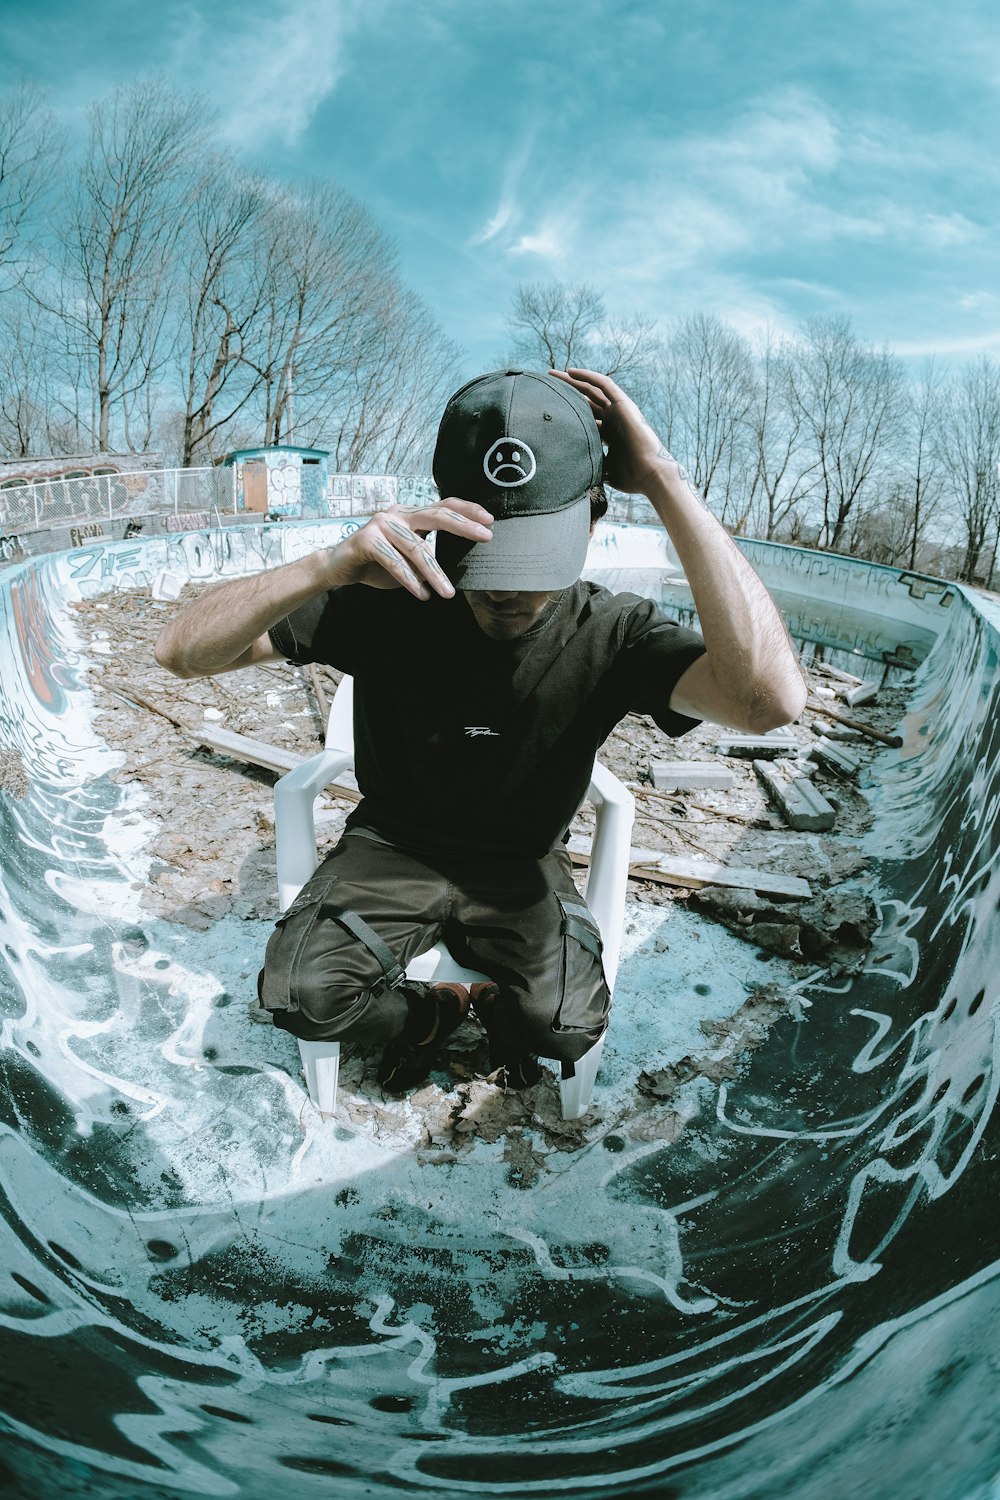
[{"x": 487, "y": 674}]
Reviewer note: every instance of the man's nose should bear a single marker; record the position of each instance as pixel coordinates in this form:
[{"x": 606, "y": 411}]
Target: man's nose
[{"x": 498, "y": 596}]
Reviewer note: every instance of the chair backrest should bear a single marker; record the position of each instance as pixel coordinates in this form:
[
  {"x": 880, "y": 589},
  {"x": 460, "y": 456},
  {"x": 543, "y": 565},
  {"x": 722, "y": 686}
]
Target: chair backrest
[{"x": 340, "y": 725}]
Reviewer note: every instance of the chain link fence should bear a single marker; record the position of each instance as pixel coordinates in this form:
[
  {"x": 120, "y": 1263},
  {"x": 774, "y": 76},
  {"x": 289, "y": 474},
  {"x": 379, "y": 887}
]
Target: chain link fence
[{"x": 106, "y": 497}]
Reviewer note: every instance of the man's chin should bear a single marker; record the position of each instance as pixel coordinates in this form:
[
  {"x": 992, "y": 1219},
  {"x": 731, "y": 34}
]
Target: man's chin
[{"x": 501, "y": 627}]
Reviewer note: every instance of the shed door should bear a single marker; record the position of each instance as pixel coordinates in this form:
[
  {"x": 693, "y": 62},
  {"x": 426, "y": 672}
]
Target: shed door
[{"x": 254, "y": 484}]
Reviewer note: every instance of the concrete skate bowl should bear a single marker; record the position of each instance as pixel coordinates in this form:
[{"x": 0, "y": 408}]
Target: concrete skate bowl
[{"x": 209, "y": 1290}]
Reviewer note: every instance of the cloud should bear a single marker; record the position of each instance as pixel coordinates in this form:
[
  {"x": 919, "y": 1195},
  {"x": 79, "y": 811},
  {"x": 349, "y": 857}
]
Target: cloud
[
  {"x": 985, "y": 343},
  {"x": 508, "y": 210},
  {"x": 978, "y": 302},
  {"x": 268, "y": 66}
]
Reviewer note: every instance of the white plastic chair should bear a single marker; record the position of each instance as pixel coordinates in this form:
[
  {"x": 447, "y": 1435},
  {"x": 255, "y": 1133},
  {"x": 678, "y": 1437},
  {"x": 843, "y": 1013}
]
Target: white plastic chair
[{"x": 295, "y": 835}]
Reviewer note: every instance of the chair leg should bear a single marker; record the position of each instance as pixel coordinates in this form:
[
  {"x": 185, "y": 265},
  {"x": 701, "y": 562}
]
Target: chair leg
[
  {"x": 576, "y": 1082},
  {"x": 321, "y": 1065}
]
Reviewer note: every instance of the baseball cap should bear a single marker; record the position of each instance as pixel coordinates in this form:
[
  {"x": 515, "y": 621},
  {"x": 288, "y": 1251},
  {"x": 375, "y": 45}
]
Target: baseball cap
[{"x": 526, "y": 446}]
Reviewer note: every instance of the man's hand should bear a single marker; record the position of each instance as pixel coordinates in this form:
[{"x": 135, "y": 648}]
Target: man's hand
[
  {"x": 749, "y": 677},
  {"x": 228, "y": 627},
  {"x": 635, "y": 453},
  {"x": 391, "y": 550}
]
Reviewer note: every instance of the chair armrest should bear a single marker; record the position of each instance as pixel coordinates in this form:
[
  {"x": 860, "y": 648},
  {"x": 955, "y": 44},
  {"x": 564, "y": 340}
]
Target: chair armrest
[
  {"x": 294, "y": 819},
  {"x": 607, "y": 877}
]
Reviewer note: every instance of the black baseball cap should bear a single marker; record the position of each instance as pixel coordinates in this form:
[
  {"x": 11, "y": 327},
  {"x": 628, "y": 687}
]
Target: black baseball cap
[{"x": 526, "y": 446}]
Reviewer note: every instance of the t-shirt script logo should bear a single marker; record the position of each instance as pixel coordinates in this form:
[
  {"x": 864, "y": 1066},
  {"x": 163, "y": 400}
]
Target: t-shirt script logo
[{"x": 475, "y": 731}]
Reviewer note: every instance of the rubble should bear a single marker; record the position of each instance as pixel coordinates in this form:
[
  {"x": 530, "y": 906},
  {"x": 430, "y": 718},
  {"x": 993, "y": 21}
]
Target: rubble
[{"x": 214, "y": 856}]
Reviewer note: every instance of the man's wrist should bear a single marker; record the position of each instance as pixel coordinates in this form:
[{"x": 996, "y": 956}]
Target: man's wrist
[
  {"x": 332, "y": 568},
  {"x": 667, "y": 479}
]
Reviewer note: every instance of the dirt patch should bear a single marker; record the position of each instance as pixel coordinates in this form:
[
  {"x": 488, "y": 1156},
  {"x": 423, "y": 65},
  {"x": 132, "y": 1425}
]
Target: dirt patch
[{"x": 13, "y": 777}]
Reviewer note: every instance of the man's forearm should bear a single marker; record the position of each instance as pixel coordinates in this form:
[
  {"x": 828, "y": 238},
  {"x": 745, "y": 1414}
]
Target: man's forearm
[
  {"x": 752, "y": 658},
  {"x": 212, "y": 634}
]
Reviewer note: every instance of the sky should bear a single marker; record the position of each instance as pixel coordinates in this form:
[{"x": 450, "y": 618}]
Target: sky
[{"x": 765, "y": 160}]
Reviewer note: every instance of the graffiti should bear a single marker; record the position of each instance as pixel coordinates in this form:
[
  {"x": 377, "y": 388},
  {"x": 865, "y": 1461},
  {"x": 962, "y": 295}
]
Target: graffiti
[
  {"x": 193, "y": 521},
  {"x": 284, "y": 493},
  {"x": 80, "y": 534},
  {"x": 48, "y": 677},
  {"x": 732, "y": 1302}
]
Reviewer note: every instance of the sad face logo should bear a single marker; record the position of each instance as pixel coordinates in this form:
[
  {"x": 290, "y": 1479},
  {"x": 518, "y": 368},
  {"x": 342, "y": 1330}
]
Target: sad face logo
[{"x": 509, "y": 463}]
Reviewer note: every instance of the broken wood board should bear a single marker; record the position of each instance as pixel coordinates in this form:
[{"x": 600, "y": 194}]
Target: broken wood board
[
  {"x": 687, "y": 870},
  {"x": 271, "y": 757}
]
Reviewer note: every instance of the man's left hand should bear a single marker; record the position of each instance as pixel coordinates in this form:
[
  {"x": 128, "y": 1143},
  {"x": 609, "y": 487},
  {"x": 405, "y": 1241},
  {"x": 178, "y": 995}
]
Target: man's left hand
[{"x": 634, "y": 451}]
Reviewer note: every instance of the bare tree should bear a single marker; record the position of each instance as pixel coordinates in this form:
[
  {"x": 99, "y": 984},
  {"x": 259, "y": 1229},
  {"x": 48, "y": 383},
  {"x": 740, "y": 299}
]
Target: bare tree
[
  {"x": 969, "y": 447},
  {"x": 350, "y": 359},
  {"x": 390, "y": 405},
  {"x": 848, "y": 397},
  {"x": 126, "y": 208},
  {"x": 924, "y": 472},
  {"x": 708, "y": 378},
  {"x": 326, "y": 260},
  {"x": 558, "y": 325},
  {"x": 28, "y": 144},
  {"x": 781, "y": 472},
  {"x": 221, "y": 304}
]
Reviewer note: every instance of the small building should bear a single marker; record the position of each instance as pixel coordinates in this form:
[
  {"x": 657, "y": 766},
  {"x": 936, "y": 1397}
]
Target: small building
[{"x": 280, "y": 481}]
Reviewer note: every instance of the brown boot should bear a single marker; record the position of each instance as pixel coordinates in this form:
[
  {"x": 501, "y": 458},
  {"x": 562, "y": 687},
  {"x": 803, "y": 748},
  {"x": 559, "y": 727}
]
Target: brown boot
[
  {"x": 435, "y": 1012},
  {"x": 514, "y": 1064}
]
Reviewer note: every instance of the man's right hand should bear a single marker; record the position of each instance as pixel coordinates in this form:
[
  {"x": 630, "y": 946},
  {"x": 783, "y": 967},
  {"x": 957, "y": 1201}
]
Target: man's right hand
[
  {"x": 229, "y": 627},
  {"x": 391, "y": 550}
]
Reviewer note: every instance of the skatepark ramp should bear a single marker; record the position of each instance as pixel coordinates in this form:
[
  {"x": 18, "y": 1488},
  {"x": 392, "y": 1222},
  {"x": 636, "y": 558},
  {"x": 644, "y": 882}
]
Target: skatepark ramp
[{"x": 207, "y": 1289}]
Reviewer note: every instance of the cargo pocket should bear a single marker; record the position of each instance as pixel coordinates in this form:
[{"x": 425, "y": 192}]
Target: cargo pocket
[
  {"x": 583, "y": 999},
  {"x": 275, "y": 983}
]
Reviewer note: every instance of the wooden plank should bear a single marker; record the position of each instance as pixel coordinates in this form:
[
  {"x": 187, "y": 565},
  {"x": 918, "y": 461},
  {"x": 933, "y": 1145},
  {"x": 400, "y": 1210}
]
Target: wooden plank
[
  {"x": 895, "y": 740},
  {"x": 271, "y": 757},
  {"x": 257, "y": 753},
  {"x": 687, "y": 870}
]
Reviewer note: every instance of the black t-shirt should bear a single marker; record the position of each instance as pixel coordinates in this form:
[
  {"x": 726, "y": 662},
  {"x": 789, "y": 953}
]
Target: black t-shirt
[{"x": 466, "y": 746}]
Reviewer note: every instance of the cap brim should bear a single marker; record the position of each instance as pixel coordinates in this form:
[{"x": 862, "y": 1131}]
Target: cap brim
[{"x": 533, "y": 554}]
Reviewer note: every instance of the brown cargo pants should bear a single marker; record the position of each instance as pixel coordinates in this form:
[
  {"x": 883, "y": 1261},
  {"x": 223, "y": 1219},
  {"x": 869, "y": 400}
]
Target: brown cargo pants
[{"x": 333, "y": 964}]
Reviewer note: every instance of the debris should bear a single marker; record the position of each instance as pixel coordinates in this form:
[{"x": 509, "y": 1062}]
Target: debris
[
  {"x": 836, "y": 926},
  {"x": 730, "y": 1040},
  {"x": 757, "y": 746},
  {"x": 801, "y": 805},
  {"x": 690, "y": 871},
  {"x": 834, "y": 757},
  {"x": 895, "y": 740},
  {"x": 271, "y": 757},
  {"x": 689, "y": 775},
  {"x": 13, "y": 777},
  {"x": 865, "y": 692},
  {"x": 168, "y": 586}
]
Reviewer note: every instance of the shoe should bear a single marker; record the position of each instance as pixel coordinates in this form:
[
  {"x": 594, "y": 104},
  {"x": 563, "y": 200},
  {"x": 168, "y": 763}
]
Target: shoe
[
  {"x": 435, "y": 1012},
  {"x": 514, "y": 1065}
]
